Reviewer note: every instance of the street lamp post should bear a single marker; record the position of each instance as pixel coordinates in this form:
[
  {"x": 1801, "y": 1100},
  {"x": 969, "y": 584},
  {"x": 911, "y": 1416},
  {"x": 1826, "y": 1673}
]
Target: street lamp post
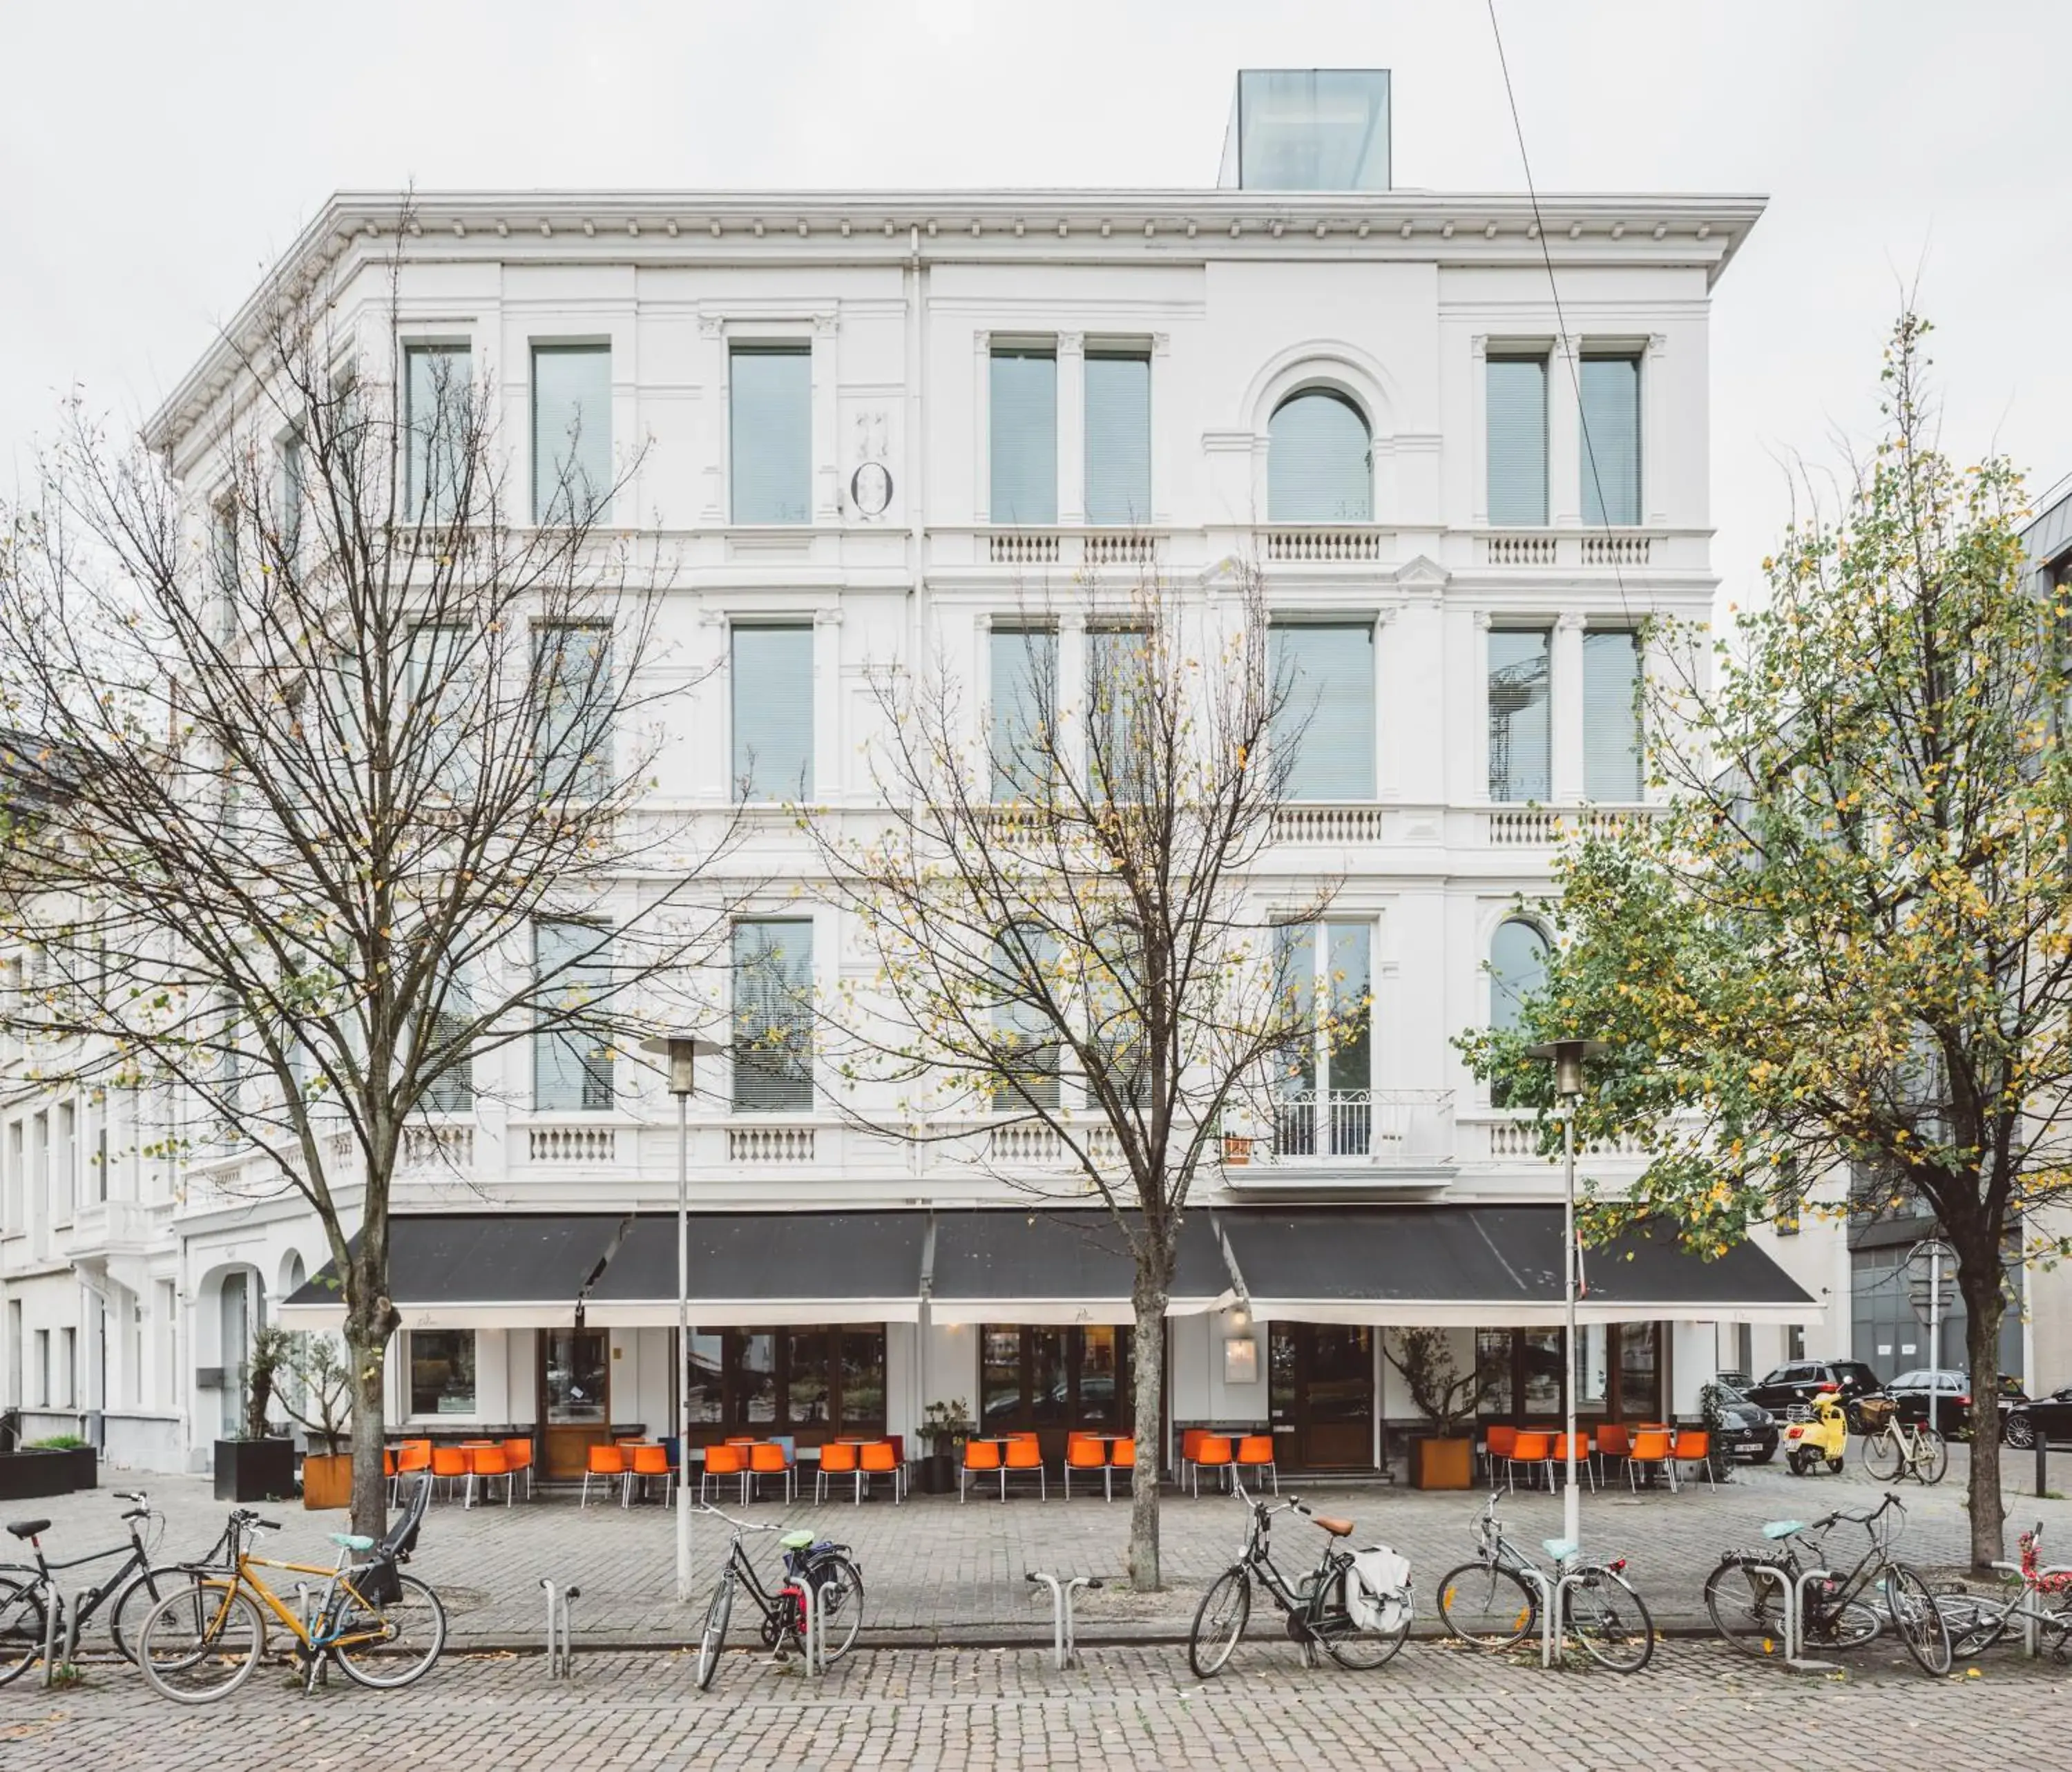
[
  {"x": 682, "y": 1051},
  {"x": 1567, "y": 1057}
]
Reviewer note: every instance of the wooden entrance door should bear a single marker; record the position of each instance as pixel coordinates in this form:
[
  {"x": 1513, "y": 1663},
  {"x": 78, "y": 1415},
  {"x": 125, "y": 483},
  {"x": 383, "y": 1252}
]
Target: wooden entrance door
[
  {"x": 575, "y": 1398},
  {"x": 1321, "y": 1388}
]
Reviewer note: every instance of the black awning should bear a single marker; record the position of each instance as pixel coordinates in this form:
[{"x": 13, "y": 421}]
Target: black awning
[
  {"x": 803, "y": 1267},
  {"x": 480, "y": 1259},
  {"x": 1047, "y": 1266},
  {"x": 1487, "y": 1265}
]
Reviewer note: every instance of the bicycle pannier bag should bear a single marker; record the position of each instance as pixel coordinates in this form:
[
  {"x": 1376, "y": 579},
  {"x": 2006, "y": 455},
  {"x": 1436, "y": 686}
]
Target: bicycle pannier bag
[{"x": 1378, "y": 1589}]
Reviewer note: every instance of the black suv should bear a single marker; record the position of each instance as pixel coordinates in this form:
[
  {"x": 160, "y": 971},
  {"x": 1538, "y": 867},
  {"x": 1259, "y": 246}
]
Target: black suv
[{"x": 1799, "y": 1382}]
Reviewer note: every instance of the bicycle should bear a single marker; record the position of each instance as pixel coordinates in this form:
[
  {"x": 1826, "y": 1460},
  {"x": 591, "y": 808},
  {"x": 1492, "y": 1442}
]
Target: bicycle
[
  {"x": 816, "y": 1572},
  {"x": 1894, "y": 1448},
  {"x": 1977, "y": 1621},
  {"x": 1323, "y": 1610},
  {"x": 29, "y": 1595},
  {"x": 1494, "y": 1602},
  {"x": 382, "y": 1628},
  {"x": 1748, "y": 1610}
]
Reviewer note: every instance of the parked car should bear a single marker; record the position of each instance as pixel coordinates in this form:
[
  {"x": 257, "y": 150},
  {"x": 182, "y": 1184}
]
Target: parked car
[
  {"x": 1795, "y": 1384},
  {"x": 2049, "y": 1416},
  {"x": 1751, "y": 1430},
  {"x": 1952, "y": 1391}
]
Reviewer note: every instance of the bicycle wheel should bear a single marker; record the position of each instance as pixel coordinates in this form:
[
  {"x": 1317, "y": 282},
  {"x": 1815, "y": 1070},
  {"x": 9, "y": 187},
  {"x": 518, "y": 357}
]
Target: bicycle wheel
[
  {"x": 1934, "y": 1458},
  {"x": 716, "y": 1614},
  {"x": 392, "y": 1644},
  {"x": 1219, "y": 1621},
  {"x": 201, "y": 1644},
  {"x": 1882, "y": 1457},
  {"x": 1488, "y": 1606},
  {"x": 1850, "y": 1628},
  {"x": 1747, "y": 1610},
  {"x": 840, "y": 1596},
  {"x": 1975, "y": 1624},
  {"x": 1918, "y": 1619},
  {"x": 21, "y": 1628},
  {"x": 144, "y": 1590},
  {"x": 1611, "y": 1622},
  {"x": 1346, "y": 1642}
]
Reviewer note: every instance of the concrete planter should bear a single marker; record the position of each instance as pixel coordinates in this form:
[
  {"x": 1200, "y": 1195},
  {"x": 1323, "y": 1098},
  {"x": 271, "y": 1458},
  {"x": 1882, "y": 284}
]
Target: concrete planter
[
  {"x": 24, "y": 1474},
  {"x": 255, "y": 1469}
]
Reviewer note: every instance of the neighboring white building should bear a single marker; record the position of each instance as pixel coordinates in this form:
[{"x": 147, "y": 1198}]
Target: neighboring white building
[{"x": 871, "y": 423}]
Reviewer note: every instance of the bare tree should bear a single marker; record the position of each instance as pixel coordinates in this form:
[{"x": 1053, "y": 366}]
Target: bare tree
[
  {"x": 339, "y": 767},
  {"x": 1066, "y": 925}
]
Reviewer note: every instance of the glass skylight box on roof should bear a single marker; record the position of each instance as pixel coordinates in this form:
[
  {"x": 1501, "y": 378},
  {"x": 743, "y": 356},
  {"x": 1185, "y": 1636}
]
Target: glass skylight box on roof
[{"x": 1308, "y": 129}]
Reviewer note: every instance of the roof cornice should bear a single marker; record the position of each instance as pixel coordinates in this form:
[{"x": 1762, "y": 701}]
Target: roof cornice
[{"x": 1127, "y": 226}]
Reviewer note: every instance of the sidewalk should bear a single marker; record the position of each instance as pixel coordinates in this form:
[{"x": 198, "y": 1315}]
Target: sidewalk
[{"x": 937, "y": 1571}]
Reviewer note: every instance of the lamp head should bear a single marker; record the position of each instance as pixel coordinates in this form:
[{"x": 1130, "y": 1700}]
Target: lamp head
[
  {"x": 1567, "y": 1057},
  {"x": 680, "y": 1054}
]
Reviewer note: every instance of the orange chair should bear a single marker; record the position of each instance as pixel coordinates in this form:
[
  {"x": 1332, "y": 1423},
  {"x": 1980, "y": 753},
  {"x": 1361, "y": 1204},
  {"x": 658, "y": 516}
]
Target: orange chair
[
  {"x": 725, "y": 1459},
  {"x": 1025, "y": 1454},
  {"x": 412, "y": 1457},
  {"x": 1613, "y": 1442},
  {"x": 1558, "y": 1457},
  {"x": 768, "y": 1459},
  {"x": 1497, "y": 1446},
  {"x": 488, "y": 1463},
  {"x": 608, "y": 1463},
  {"x": 1531, "y": 1447},
  {"x": 838, "y": 1460},
  {"x": 519, "y": 1450},
  {"x": 449, "y": 1465},
  {"x": 881, "y": 1458},
  {"x": 1083, "y": 1452},
  {"x": 1650, "y": 1447},
  {"x": 982, "y": 1459},
  {"x": 1694, "y": 1445},
  {"x": 1190, "y": 1442},
  {"x": 1255, "y": 1452},
  {"x": 643, "y": 1462},
  {"x": 1212, "y": 1452},
  {"x": 1121, "y": 1456}
]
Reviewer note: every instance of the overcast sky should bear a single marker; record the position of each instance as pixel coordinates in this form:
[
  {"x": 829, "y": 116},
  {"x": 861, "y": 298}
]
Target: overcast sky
[{"x": 158, "y": 157}]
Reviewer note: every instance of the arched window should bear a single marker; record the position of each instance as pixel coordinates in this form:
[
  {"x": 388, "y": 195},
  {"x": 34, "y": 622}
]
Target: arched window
[
  {"x": 1319, "y": 460},
  {"x": 1518, "y": 968}
]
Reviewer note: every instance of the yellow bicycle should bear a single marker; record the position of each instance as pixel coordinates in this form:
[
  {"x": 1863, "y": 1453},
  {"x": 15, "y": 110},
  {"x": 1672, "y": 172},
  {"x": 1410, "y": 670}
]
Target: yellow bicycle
[{"x": 382, "y": 1627}]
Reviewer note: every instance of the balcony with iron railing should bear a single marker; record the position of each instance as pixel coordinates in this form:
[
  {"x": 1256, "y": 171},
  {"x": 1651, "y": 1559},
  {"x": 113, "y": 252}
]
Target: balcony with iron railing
[{"x": 1347, "y": 1138}]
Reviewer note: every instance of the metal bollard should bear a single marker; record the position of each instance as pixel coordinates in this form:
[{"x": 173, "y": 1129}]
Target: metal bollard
[
  {"x": 2042, "y": 1460},
  {"x": 816, "y": 1630},
  {"x": 51, "y": 1635},
  {"x": 1064, "y": 1639},
  {"x": 560, "y": 1645}
]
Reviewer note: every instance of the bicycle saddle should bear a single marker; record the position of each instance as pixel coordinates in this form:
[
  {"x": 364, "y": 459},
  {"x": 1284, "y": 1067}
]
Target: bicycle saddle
[
  {"x": 796, "y": 1541},
  {"x": 1560, "y": 1549},
  {"x": 1338, "y": 1528},
  {"x": 1783, "y": 1528},
  {"x": 353, "y": 1541},
  {"x": 27, "y": 1528}
]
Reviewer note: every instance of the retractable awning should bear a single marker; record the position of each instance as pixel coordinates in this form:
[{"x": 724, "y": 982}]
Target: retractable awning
[
  {"x": 1487, "y": 1266},
  {"x": 1061, "y": 1267}
]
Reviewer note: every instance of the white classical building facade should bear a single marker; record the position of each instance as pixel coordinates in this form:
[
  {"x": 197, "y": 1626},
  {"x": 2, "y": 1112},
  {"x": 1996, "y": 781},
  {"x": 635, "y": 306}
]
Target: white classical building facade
[{"x": 863, "y": 427}]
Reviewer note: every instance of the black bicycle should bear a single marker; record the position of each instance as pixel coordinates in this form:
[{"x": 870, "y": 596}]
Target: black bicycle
[
  {"x": 29, "y": 1595},
  {"x": 817, "y": 1574},
  {"x": 1327, "y": 1610}
]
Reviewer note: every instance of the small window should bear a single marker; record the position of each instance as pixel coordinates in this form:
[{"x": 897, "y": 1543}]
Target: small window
[
  {"x": 1319, "y": 460},
  {"x": 442, "y": 1372},
  {"x": 771, "y": 411},
  {"x": 1611, "y": 717},
  {"x": 1024, "y": 434},
  {"x": 572, "y": 1069},
  {"x": 772, "y": 1016},
  {"x": 571, "y": 433},
  {"x": 1516, "y": 411},
  {"x": 439, "y": 412},
  {"x": 1520, "y": 729},
  {"x": 1327, "y": 672},
  {"x": 1610, "y": 443},
  {"x": 771, "y": 670},
  {"x": 1118, "y": 437}
]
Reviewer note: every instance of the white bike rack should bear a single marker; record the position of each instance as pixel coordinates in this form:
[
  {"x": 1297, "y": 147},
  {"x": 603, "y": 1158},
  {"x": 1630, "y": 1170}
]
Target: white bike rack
[
  {"x": 561, "y": 1646},
  {"x": 2032, "y": 1626},
  {"x": 1064, "y": 1638},
  {"x": 1793, "y": 1592},
  {"x": 816, "y": 1630}
]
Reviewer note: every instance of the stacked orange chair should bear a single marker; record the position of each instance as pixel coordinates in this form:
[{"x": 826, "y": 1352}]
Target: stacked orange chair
[
  {"x": 1122, "y": 1456},
  {"x": 648, "y": 1461},
  {"x": 448, "y": 1463},
  {"x": 1531, "y": 1447},
  {"x": 881, "y": 1458},
  {"x": 518, "y": 1451},
  {"x": 1613, "y": 1442},
  {"x": 489, "y": 1463},
  {"x": 766, "y": 1459},
  {"x": 1212, "y": 1452},
  {"x": 1255, "y": 1452},
  {"x": 1083, "y": 1452},
  {"x": 1025, "y": 1457},
  {"x": 1559, "y": 1456},
  {"x": 838, "y": 1460},
  {"x": 1497, "y": 1448},
  {"x": 1694, "y": 1445},
  {"x": 411, "y": 1456},
  {"x": 1651, "y": 1446},
  {"x": 725, "y": 1460},
  {"x": 982, "y": 1459},
  {"x": 608, "y": 1463}
]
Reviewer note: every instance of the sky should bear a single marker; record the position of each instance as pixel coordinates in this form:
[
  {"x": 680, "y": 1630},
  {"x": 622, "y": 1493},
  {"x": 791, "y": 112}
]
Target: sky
[{"x": 157, "y": 158}]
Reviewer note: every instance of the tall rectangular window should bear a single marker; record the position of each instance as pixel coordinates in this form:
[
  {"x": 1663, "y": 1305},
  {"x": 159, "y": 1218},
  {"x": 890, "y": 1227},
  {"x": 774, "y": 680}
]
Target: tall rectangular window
[
  {"x": 442, "y": 1372},
  {"x": 572, "y": 1059},
  {"x": 436, "y": 390},
  {"x": 1325, "y": 671},
  {"x": 771, "y": 671},
  {"x": 1122, "y": 745},
  {"x": 1025, "y": 1039},
  {"x": 1024, "y": 434},
  {"x": 1118, "y": 437},
  {"x": 292, "y": 495},
  {"x": 1520, "y": 728},
  {"x": 574, "y": 693},
  {"x": 1516, "y": 416},
  {"x": 571, "y": 433},
  {"x": 1611, "y": 717},
  {"x": 1326, "y": 1106},
  {"x": 772, "y": 1016},
  {"x": 770, "y": 403},
  {"x": 452, "y": 1090},
  {"x": 1610, "y": 450},
  {"x": 1024, "y": 691}
]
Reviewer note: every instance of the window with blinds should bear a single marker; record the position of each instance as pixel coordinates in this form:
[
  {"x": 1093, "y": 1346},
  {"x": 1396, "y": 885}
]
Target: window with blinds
[
  {"x": 571, "y": 433},
  {"x": 1611, "y": 717},
  {"x": 1118, "y": 437},
  {"x": 571, "y": 679},
  {"x": 572, "y": 1061},
  {"x": 1025, "y": 1037},
  {"x": 1326, "y": 1103},
  {"x": 1024, "y": 434},
  {"x": 1324, "y": 671},
  {"x": 435, "y": 393},
  {"x": 452, "y": 1091},
  {"x": 1515, "y": 417},
  {"x": 772, "y": 692},
  {"x": 1319, "y": 460},
  {"x": 773, "y": 990},
  {"x": 769, "y": 405},
  {"x": 1611, "y": 444},
  {"x": 1025, "y": 694},
  {"x": 1520, "y": 728},
  {"x": 1518, "y": 972},
  {"x": 1121, "y": 754}
]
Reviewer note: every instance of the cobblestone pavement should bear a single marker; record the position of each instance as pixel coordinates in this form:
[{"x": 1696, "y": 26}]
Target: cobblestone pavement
[
  {"x": 1698, "y": 1707},
  {"x": 936, "y": 1570}
]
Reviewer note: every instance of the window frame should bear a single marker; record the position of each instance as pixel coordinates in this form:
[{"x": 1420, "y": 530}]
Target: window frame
[
  {"x": 1117, "y": 351},
  {"x": 546, "y": 491},
  {"x": 742, "y": 789},
  {"x": 1540, "y": 356},
  {"x": 596, "y": 1068},
  {"x": 418, "y": 462},
  {"x": 1330, "y": 391},
  {"x": 1006, "y": 348},
  {"x": 1545, "y": 630},
  {"x": 1593, "y": 483},
  {"x": 1354, "y": 1139},
  {"x": 792, "y": 347},
  {"x": 1366, "y": 626},
  {"x": 473, "y": 1362},
  {"x": 745, "y": 1062},
  {"x": 735, "y": 1384}
]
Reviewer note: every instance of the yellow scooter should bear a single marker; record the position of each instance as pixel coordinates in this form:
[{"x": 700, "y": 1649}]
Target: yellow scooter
[{"x": 1826, "y": 1437}]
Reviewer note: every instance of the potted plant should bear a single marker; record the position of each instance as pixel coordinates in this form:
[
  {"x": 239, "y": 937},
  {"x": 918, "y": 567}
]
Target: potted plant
[
  {"x": 945, "y": 1427},
  {"x": 1443, "y": 1457},
  {"x": 320, "y": 1401},
  {"x": 256, "y": 1464},
  {"x": 1719, "y": 1431},
  {"x": 55, "y": 1466}
]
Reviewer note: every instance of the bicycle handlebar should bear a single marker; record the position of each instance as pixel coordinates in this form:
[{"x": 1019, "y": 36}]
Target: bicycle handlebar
[{"x": 738, "y": 1525}]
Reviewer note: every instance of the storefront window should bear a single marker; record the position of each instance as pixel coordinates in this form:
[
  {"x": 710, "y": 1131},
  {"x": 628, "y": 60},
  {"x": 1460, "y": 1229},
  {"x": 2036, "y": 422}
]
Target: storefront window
[
  {"x": 809, "y": 1387},
  {"x": 1494, "y": 1351},
  {"x": 1640, "y": 1384},
  {"x": 755, "y": 1385},
  {"x": 1593, "y": 1366},
  {"x": 1101, "y": 1383},
  {"x": 862, "y": 1403},
  {"x": 442, "y": 1372},
  {"x": 708, "y": 1396},
  {"x": 811, "y": 1381},
  {"x": 1542, "y": 1353},
  {"x": 1037, "y": 1377},
  {"x": 1617, "y": 1372},
  {"x": 1000, "y": 1378}
]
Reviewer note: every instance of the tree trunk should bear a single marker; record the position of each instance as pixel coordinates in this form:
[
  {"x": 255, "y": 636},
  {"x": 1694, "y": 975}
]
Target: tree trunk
[
  {"x": 1147, "y": 1368},
  {"x": 367, "y": 1328},
  {"x": 1979, "y": 1279}
]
